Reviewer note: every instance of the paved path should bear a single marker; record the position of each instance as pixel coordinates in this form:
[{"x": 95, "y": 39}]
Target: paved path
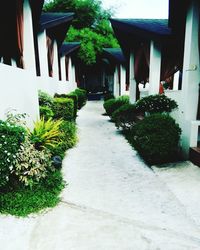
[{"x": 113, "y": 201}]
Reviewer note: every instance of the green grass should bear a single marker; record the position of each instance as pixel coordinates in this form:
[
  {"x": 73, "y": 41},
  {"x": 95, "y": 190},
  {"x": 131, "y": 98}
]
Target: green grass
[{"x": 24, "y": 201}]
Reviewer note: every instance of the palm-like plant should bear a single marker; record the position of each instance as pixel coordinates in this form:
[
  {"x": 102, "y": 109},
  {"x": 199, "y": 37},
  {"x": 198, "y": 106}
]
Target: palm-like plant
[{"x": 46, "y": 134}]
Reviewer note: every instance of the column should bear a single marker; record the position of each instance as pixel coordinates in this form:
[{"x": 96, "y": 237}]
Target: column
[
  {"x": 55, "y": 61},
  {"x": 123, "y": 79},
  {"x": 116, "y": 83},
  {"x": 132, "y": 81},
  {"x": 63, "y": 68},
  {"x": 42, "y": 49},
  {"x": 29, "y": 50},
  {"x": 191, "y": 72},
  {"x": 154, "y": 68}
]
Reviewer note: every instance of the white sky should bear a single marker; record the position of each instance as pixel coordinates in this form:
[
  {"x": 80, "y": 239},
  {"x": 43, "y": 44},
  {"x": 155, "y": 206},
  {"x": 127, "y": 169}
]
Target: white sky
[{"x": 138, "y": 8}]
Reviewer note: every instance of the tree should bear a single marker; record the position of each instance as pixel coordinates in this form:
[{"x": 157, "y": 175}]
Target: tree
[{"x": 90, "y": 26}]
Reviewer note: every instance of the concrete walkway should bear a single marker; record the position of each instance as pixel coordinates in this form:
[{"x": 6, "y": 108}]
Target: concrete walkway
[{"x": 113, "y": 200}]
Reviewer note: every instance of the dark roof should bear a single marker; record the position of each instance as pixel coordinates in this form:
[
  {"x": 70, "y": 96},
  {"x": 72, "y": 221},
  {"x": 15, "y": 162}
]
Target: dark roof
[
  {"x": 151, "y": 29},
  {"x": 50, "y": 20},
  {"x": 68, "y": 48},
  {"x": 115, "y": 55}
]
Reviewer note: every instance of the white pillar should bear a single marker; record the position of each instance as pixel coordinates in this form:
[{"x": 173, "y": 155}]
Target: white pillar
[
  {"x": 116, "y": 83},
  {"x": 154, "y": 68},
  {"x": 133, "y": 84},
  {"x": 55, "y": 61},
  {"x": 42, "y": 49},
  {"x": 74, "y": 77},
  {"x": 13, "y": 62},
  {"x": 191, "y": 73},
  {"x": 123, "y": 80},
  {"x": 29, "y": 50},
  {"x": 70, "y": 71},
  {"x": 176, "y": 80},
  {"x": 63, "y": 68},
  {"x": 190, "y": 80}
]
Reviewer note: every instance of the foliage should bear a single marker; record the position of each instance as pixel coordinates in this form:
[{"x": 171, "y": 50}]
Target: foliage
[
  {"x": 46, "y": 112},
  {"x": 81, "y": 95},
  {"x": 92, "y": 42},
  {"x": 31, "y": 165},
  {"x": 87, "y": 13},
  {"x": 125, "y": 116},
  {"x": 11, "y": 137},
  {"x": 156, "y": 104},
  {"x": 45, "y": 99},
  {"x": 113, "y": 104},
  {"x": 156, "y": 138},
  {"x": 72, "y": 96},
  {"x": 45, "y": 133},
  {"x": 16, "y": 119},
  {"x": 63, "y": 108},
  {"x": 68, "y": 139},
  {"x": 24, "y": 201}
]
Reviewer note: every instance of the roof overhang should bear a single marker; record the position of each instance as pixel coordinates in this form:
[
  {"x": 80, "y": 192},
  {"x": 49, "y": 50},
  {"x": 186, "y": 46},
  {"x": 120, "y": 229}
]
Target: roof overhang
[
  {"x": 114, "y": 55},
  {"x": 69, "y": 48}
]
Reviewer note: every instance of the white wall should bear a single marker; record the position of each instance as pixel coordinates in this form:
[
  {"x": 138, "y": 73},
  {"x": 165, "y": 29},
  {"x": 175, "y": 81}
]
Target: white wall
[{"x": 18, "y": 91}]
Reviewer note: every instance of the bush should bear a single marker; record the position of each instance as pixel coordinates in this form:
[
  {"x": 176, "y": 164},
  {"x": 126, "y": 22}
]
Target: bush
[
  {"x": 72, "y": 96},
  {"x": 11, "y": 137},
  {"x": 63, "y": 108},
  {"x": 24, "y": 201},
  {"x": 31, "y": 165},
  {"x": 113, "y": 104},
  {"x": 45, "y": 99},
  {"x": 67, "y": 139},
  {"x": 125, "y": 116},
  {"x": 46, "y": 112},
  {"x": 82, "y": 97},
  {"x": 156, "y": 138},
  {"x": 45, "y": 133},
  {"x": 156, "y": 104}
]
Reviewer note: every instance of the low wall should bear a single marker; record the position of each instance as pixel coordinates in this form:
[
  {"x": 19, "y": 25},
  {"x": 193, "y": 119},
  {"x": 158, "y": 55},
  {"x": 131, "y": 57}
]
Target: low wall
[{"x": 18, "y": 92}]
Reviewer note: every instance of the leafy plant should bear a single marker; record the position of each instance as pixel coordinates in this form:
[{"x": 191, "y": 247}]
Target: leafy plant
[
  {"x": 113, "y": 104},
  {"x": 24, "y": 201},
  {"x": 156, "y": 104},
  {"x": 63, "y": 108},
  {"x": 68, "y": 138},
  {"x": 45, "y": 133},
  {"x": 108, "y": 96},
  {"x": 156, "y": 138},
  {"x": 31, "y": 165},
  {"x": 125, "y": 116},
  {"x": 82, "y": 97},
  {"x": 46, "y": 112},
  {"x": 11, "y": 137},
  {"x": 45, "y": 99}
]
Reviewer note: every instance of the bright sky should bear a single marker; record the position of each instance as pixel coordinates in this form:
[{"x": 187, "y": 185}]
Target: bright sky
[{"x": 138, "y": 8}]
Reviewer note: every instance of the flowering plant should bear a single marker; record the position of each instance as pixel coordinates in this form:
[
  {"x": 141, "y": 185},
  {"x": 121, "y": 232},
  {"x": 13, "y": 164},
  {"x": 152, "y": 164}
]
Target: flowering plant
[
  {"x": 11, "y": 137},
  {"x": 156, "y": 104}
]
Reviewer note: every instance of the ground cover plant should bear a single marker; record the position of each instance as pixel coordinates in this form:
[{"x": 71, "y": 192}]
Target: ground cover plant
[
  {"x": 30, "y": 178},
  {"x": 113, "y": 104}
]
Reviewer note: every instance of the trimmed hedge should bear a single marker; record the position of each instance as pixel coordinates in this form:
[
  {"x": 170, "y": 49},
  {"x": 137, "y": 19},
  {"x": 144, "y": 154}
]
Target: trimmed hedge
[
  {"x": 82, "y": 97},
  {"x": 125, "y": 116},
  {"x": 156, "y": 138},
  {"x": 46, "y": 112},
  {"x": 63, "y": 108},
  {"x": 113, "y": 104}
]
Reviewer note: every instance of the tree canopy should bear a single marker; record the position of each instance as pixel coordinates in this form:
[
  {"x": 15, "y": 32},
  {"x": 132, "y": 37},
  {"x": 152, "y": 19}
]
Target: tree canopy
[{"x": 90, "y": 26}]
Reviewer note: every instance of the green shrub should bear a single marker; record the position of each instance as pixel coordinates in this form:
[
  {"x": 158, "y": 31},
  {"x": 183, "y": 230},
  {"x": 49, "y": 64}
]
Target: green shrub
[
  {"x": 11, "y": 137},
  {"x": 46, "y": 112},
  {"x": 31, "y": 165},
  {"x": 125, "y": 116},
  {"x": 63, "y": 108},
  {"x": 82, "y": 97},
  {"x": 72, "y": 96},
  {"x": 23, "y": 201},
  {"x": 156, "y": 138},
  {"x": 45, "y": 99},
  {"x": 156, "y": 104},
  {"x": 68, "y": 139},
  {"x": 45, "y": 133},
  {"x": 113, "y": 104}
]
